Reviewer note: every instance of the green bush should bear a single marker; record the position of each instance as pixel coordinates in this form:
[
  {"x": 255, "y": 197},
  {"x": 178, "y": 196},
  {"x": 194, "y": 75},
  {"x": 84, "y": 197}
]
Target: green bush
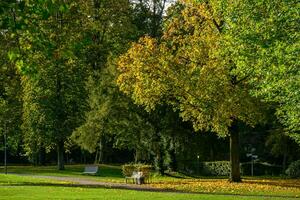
[
  {"x": 127, "y": 169},
  {"x": 293, "y": 170},
  {"x": 217, "y": 168}
]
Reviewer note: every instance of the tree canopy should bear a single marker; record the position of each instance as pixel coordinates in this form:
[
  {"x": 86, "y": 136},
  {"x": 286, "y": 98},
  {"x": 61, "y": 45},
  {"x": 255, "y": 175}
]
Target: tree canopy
[{"x": 262, "y": 37}]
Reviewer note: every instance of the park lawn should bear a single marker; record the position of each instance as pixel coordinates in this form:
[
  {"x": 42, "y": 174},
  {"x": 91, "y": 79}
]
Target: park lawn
[
  {"x": 250, "y": 186},
  {"x": 13, "y": 187},
  {"x": 107, "y": 173},
  {"x": 16, "y": 180}
]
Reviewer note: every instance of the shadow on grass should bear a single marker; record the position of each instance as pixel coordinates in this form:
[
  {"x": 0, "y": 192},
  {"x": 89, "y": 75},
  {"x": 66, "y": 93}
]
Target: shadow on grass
[{"x": 104, "y": 170}]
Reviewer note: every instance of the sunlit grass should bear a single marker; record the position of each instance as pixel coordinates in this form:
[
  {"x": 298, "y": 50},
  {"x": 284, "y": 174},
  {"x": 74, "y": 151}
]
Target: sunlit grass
[
  {"x": 247, "y": 187},
  {"x": 16, "y": 180}
]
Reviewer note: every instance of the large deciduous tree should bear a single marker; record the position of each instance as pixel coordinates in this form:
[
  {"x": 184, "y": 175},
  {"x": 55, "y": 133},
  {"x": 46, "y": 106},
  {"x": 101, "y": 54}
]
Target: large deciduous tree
[
  {"x": 185, "y": 69},
  {"x": 45, "y": 39},
  {"x": 10, "y": 85},
  {"x": 109, "y": 27}
]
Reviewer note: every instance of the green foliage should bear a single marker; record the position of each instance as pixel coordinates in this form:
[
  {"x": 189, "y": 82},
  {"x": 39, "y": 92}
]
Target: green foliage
[
  {"x": 10, "y": 95},
  {"x": 262, "y": 38},
  {"x": 107, "y": 33},
  {"x": 184, "y": 70},
  {"x": 216, "y": 168},
  {"x": 43, "y": 36},
  {"x": 293, "y": 170}
]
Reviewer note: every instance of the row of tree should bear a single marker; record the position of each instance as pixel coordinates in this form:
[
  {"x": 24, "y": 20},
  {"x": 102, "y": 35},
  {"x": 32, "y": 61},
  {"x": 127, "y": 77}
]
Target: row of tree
[{"x": 212, "y": 65}]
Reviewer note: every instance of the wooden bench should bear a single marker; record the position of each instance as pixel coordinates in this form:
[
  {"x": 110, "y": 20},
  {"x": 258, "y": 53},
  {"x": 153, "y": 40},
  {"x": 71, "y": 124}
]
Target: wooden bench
[{"x": 91, "y": 169}]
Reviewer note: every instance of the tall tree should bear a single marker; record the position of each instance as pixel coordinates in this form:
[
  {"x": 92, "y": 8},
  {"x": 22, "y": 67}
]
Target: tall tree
[
  {"x": 10, "y": 87},
  {"x": 53, "y": 77},
  {"x": 110, "y": 27},
  {"x": 184, "y": 69}
]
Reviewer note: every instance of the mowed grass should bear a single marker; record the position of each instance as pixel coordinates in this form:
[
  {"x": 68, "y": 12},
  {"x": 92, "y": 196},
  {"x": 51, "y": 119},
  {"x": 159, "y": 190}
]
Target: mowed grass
[
  {"x": 107, "y": 173},
  {"x": 14, "y": 187},
  {"x": 250, "y": 186}
]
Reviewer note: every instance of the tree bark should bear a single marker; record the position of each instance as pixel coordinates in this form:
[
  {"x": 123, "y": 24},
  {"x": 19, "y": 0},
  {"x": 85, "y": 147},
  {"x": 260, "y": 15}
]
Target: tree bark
[
  {"x": 100, "y": 158},
  {"x": 96, "y": 161},
  {"x": 42, "y": 156},
  {"x": 60, "y": 155},
  {"x": 235, "y": 175}
]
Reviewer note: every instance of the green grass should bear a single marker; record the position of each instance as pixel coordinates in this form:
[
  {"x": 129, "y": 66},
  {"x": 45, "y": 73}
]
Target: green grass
[
  {"x": 16, "y": 180},
  {"x": 262, "y": 186},
  {"x": 107, "y": 173}
]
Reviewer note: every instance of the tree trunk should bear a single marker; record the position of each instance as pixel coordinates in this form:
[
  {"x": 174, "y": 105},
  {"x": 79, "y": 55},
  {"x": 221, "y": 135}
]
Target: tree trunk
[
  {"x": 96, "y": 161},
  {"x": 284, "y": 162},
  {"x": 160, "y": 162},
  {"x": 136, "y": 156},
  {"x": 60, "y": 155},
  {"x": 42, "y": 156},
  {"x": 235, "y": 175},
  {"x": 101, "y": 147}
]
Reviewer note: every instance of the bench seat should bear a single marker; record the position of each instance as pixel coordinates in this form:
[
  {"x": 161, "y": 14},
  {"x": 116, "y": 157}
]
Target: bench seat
[{"x": 91, "y": 169}]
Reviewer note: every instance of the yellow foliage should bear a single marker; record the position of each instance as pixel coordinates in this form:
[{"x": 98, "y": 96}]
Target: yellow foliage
[{"x": 284, "y": 187}]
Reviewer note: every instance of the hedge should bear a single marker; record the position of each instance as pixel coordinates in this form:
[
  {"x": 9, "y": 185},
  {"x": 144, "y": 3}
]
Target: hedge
[{"x": 128, "y": 169}]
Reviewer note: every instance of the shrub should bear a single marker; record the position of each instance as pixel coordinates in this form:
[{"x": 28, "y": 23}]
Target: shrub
[
  {"x": 127, "y": 169},
  {"x": 217, "y": 168},
  {"x": 293, "y": 170}
]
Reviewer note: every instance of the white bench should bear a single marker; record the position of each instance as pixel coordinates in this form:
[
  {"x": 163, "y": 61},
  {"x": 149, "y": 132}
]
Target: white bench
[
  {"x": 91, "y": 169},
  {"x": 137, "y": 177}
]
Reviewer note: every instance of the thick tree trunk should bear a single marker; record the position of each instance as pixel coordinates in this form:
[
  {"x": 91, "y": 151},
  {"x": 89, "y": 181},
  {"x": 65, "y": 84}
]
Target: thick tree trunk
[
  {"x": 235, "y": 175},
  {"x": 60, "y": 155}
]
